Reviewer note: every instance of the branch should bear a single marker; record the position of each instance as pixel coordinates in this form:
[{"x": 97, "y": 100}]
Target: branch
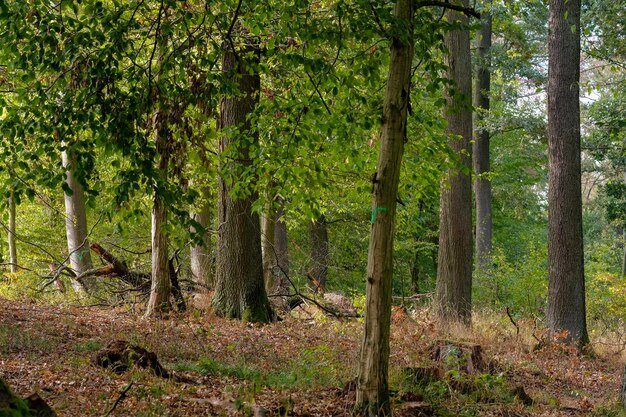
[
  {"x": 468, "y": 11},
  {"x": 120, "y": 398}
]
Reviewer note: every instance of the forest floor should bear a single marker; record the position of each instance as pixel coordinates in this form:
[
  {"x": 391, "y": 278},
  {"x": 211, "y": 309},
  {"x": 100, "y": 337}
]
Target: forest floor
[{"x": 297, "y": 367}]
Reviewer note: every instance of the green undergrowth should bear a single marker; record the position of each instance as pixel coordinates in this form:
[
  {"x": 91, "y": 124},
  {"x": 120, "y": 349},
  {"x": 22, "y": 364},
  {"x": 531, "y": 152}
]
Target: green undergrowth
[{"x": 311, "y": 367}]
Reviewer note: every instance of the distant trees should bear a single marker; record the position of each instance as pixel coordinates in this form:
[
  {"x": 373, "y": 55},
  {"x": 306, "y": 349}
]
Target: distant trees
[
  {"x": 319, "y": 251},
  {"x": 566, "y": 292}
]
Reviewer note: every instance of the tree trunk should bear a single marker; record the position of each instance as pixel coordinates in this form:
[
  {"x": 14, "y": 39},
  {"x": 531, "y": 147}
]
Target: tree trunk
[
  {"x": 76, "y": 225},
  {"x": 12, "y": 231},
  {"x": 268, "y": 228},
  {"x": 161, "y": 286},
  {"x": 482, "y": 184},
  {"x": 200, "y": 255},
  {"x": 282, "y": 251},
  {"x": 319, "y": 252},
  {"x": 372, "y": 395},
  {"x": 566, "y": 287},
  {"x": 240, "y": 290},
  {"x": 453, "y": 298}
]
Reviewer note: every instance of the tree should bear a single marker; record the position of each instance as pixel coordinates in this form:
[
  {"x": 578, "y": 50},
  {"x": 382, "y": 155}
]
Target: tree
[
  {"x": 453, "y": 298},
  {"x": 12, "y": 231},
  {"x": 275, "y": 250},
  {"x": 76, "y": 222},
  {"x": 482, "y": 184},
  {"x": 319, "y": 251},
  {"x": 240, "y": 290},
  {"x": 566, "y": 287},
  {"x": 372, "y": 396},
  {"x": 200, "y": 254}
]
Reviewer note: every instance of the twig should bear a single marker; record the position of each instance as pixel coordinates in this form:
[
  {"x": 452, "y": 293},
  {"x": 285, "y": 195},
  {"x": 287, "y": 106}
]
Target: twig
[
  {"x": 119, "y": 399},
  {"x": 508, "y": 313}
]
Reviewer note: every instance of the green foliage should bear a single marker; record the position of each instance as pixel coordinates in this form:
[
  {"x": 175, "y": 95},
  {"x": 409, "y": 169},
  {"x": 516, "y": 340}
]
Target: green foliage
[{"x": 521, "y": 285}]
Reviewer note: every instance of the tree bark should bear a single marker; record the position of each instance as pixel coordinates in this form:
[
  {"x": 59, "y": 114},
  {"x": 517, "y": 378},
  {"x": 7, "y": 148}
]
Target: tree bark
[
  {"x": 281, "y": 247},
  {"x": 268, "y": 228},
  {"x": 482, "y": 184},
  {"x": 12, "y": 231},
  {"x": 240, "y": 290},
  {"x": 76, "y": 224},
  {"x": 318, "y": 231},
  {"x": 372, "y": 395},
  {"x": 161, "y": 286},
  {"x": 453, "y": 295},
  {"x": 200, "y": 255},
  {"x": 566, "y": 287}
]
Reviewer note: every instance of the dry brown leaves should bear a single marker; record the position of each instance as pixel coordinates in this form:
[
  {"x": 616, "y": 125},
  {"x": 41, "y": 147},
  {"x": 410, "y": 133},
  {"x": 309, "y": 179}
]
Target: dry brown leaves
[{"x": 46, "y": 349}]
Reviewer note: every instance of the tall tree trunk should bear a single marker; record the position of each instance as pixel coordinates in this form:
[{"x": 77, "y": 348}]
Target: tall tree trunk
[
  {"x": 240, "y": 290},
  {"x": 12, "y": 231},
  {"x": 281, "y": 247},
  {"x": 453, "y": 295},
  {"x": 482, "y": 184},
  {"x": 76, "y": 224},
  {"x": 372, "y": 394},
  {"x": 201, "y": 258},
  {"x": 161, "y": 286},
  {"x": 318, "y": 231},
  {"x": 268, "y": 228},
  {"x": 566, "y": 288}
]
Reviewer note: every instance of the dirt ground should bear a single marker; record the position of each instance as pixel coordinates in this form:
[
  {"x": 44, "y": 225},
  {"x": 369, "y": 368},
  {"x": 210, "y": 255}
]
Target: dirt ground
[{"x": 298, "y": 366}]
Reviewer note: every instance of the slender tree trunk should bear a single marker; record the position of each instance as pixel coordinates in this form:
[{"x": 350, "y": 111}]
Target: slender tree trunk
[
  {"x": 415, "y": 272},
  {"x": 240, "y": 290},
  {"x": 482, "y": 183},
  {"x": 12, "y": 231},
  {"x": 453, "y": 295},
  {"x": 623, "y": 233},
  {"x": 566, "y": 288},
  {"x": 76, "y": 225},
  {"x": 281, "y": 247},
  {"x": 318, "y": 231},
  {"x": 201, "y": 258},
  {"x": 161, "y": 286},
  {"x": 372, "y": 394},
  {"x": 268, "y": 227}
]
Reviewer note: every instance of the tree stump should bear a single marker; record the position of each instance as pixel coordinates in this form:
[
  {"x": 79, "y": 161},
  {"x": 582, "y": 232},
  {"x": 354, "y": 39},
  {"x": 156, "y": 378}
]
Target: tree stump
[
  {"x": 463, "y": 356},
  {"x": 121, "y": 355}
]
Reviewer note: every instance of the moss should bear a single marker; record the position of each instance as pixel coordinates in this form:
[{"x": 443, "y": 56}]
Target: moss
[
  {"x": 257, "y": 314},
  {"x": 10, "y": 404}
]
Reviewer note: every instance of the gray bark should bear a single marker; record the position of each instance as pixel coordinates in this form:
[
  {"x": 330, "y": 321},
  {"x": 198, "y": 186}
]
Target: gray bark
[
  {"x": 76, "y": 225},
  {"x": 268, "y": 228},
  {"x": 372, "y": 394},
  {"x": 12, "y": 231},
  {"x": 240, "y": 290},
  {"x": 453, "y": 294},
  {"x": 482, "y": 184},
  {"x": 318, "y": 231},
  {"x": 282, "y": 251},
  {"x": 566, "y": 287},
  {"x": 161, "y": 284},
  {"x": 200, "y": 255}
]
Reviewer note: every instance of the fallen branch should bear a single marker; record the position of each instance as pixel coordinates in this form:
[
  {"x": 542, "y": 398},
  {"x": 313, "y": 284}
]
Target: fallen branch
[{"x": 120, "y": 398}]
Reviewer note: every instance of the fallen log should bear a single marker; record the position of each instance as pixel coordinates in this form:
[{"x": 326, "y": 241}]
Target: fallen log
[
  {"x": 139, "y": 281},
  {"x": 120, "y": 356}
]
